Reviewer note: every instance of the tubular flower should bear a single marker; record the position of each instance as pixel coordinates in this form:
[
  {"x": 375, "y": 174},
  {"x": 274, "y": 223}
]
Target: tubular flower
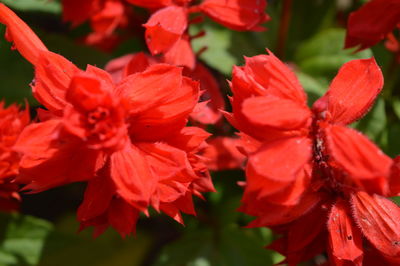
[
  {"x": 372, "y": 23},
  {"x": 127, "y": 139},
  {"x": 167, "y": 29},
  {"x": 12, "y": 122},
  {"x": 318, "y": 183},
  {"x": 207, "y": 111},
  {"x": 105, "y": 17}
]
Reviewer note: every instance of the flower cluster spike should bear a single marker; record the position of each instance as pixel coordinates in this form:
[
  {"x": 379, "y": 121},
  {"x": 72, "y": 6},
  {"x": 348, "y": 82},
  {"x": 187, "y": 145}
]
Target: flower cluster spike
[
  {"x": 372, "y": 23},
  {"x": 128, "y": 139},
  {"x": 309, "y": 177},
  {"x": 12, "y": 122}
]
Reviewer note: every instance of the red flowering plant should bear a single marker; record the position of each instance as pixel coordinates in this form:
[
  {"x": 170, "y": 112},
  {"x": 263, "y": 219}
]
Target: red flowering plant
[
  {"x": 319, "y": 184},
  {"x": 207, "y": 111},
  {"x": 167, "y": 28},
  {"x": 127, "y": 139},
  {"x": 373, "y": 22},
  {"x": 12, "y": 122},
  {"x": 106, "y": 17}
]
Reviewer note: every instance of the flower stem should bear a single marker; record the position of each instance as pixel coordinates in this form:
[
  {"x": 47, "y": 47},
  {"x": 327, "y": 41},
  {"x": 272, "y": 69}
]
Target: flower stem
[{"x": 283, "y": 28}]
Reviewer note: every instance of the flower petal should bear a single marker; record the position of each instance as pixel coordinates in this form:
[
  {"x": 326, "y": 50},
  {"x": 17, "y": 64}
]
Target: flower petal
[
  {"x": 24, "y": 39},
  {"x": 367, "y": 166},
  {"x": 51, "y": 159},
  {"x": 164, "y": 28},
  {"x": 352, "y": 92},
  {"x": 161, "y": 100},
  {"x": 344, "y": 237},
  {"x": 210, "y": 91},
  {"x": 123, "y": 217},
  {"x": 53, "y": 74},
  {"x": 150, "y": 3},
  {"x": 181, "y": 54},
  {"x": 98, "y": 195},
  {"x": 379, "y": 220},
  {"x": 277, "y": 164},
  {"x": 370, "y": 24},
  {"x": 237, "y": 14},
  {"x": 131, "y": 174},
  {"x": 276, "y": 112}
]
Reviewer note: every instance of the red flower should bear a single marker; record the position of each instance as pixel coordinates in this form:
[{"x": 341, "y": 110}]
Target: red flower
[
  {"x": 105, "y": 16},
  {"x": 127, "y": 139},
  {"x": 167, "y": 28},
  {"x": 223, "y": 154},
  {"x": 306, "y": 165},
  {"x": 12, "y": 122},
  {"x": 372, "y": 22},
  {"x": 205, "y": 112}
]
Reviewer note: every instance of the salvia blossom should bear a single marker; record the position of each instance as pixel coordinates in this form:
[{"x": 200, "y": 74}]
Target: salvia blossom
[
  {"x": 222, "y": 154},
  {"x": 105, "y": 17},
  {"x": 12, "y": 122},
  {"x": 167, "y": 29},
  {"x": 372, "y": 23},
  {"x": 207, "y": 111},
  {"x": 319, "y": 184},
  {"x": 127, "y": 139}
]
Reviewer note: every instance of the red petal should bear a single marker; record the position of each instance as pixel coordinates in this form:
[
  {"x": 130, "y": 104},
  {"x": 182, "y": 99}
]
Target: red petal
[
  {"x": 379, "y": 220},
  {"x": 272, "y": 215},
  {"x": 223, "y": 154},
  {"x": 367, "y": 166},
  {"x": 53, "y": 76},
  {"x": 161, "y": 100},
  {"x": 98, "y": 195},
  {"x": 237, "y": 14},
  {"x": 77, "y": 11},
  {"x": 181, "y": 54},
  {"x": 292, "y": 193},
  {"x": 50, "y": 159},
  {"x": 24, "y": 39},
  {"x": 122, "y": 217},
  {"x": 132, "y": 176},
  {"x": 276, "y": 112},
  {"x": 210, "y": 113},
  {"x": 150, "y": 3},
  {"x": 352, "y": 92},
  {"x": 277, "y": 164},
  {"x": 189, "y": 139},
  {"x": 344, "y": 236},
  {"x": 164, "y": 28},
  {"x": 395, "y": 178},
  {"x": 370, "y": 24}
]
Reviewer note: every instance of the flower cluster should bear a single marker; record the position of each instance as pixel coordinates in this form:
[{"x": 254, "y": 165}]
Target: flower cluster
[
  {"x": 318, "y": 183},
  {"x": 12, "y": 122},
  {"x": 374, "y": 22},
  {"x": 127, "y": 139},
  {"x": 134, "y": 132}
]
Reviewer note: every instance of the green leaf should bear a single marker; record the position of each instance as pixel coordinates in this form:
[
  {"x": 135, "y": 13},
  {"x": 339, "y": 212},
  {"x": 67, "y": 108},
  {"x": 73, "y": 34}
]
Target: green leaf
[
  {"x": 323, "y": 54},
  {"x": 314, "y": 87},
  {"x": 374, "y": 122},
  {"x": 23, "y": 240},
  {"x": 48, "y": 6},
  {"x": 217, "y": 41},
  {"x": 229, "y": 246}
]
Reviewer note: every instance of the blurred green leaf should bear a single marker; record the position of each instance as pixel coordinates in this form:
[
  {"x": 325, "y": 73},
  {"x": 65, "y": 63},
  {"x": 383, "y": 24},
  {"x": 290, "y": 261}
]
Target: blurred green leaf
[
  {"x": 315, "y": 87},
  {"x": 217, "y": 41},
  {"x": 65, "y": 247},
  {"x": 23, "y": 240},
  {"x": 374, "y": 122},
  {"x": 49, "y": 6},
  {"x": 230, "y": 246},
  {"x": 323, "y": 54},
  {"x": 396, "y": 107}
]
